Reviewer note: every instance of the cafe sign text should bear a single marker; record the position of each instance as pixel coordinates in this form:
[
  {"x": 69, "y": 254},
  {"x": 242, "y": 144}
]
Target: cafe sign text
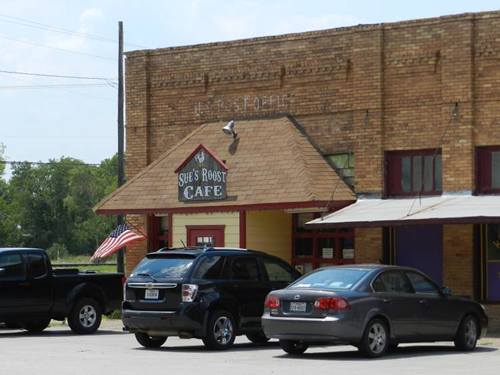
[{"x": 202, "y": 177}]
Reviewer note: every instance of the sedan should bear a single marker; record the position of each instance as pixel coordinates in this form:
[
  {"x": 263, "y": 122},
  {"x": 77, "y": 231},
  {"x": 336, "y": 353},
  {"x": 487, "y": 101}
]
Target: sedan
[{"x": 373, "y": 307}]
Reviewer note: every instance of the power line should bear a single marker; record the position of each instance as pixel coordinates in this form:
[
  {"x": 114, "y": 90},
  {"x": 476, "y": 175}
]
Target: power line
[
  {"x": 56, "y": 75},
  {"x": 61, "y": 30},
  {"x": 56, "y": 48},
  {"x": 54, "y": 86},
  {"x": 13, "y": 162}
]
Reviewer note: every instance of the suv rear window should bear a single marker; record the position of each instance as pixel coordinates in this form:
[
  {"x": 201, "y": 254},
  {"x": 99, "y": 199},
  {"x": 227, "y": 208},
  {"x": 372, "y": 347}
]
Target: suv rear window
[{"x": 164, "y": 267}]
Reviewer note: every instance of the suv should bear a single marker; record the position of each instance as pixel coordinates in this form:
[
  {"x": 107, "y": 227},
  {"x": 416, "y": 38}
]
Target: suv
[{"x": 210, "y": 293}]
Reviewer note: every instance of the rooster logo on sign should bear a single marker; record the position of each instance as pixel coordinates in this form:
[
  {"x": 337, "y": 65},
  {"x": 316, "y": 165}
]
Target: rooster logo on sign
[{"x": 200, "y": 157}]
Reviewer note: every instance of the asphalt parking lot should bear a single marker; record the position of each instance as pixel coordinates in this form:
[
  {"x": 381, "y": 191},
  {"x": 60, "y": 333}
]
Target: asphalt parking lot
[{"x": 58, "y": 351}]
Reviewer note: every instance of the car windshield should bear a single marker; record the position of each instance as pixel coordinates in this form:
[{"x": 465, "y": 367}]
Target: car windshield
[
  {"x": 163, "y": 267},
  {"x": 331, "y": 278}
]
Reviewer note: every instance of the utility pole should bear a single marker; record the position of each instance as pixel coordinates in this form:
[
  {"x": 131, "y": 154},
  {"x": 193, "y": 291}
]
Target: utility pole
[{"x": 121, "y": 168}]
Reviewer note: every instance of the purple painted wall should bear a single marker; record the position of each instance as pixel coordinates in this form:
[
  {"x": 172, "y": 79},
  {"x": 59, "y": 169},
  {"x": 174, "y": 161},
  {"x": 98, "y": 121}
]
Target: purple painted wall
[
  {"x": 421, "y": 247},
  {"x": 493, "y": 281}
]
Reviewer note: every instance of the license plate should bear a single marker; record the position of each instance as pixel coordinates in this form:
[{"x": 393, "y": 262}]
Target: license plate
[
  {"x": 298, "y": 306},
  {"x": 152, "y": 294}
]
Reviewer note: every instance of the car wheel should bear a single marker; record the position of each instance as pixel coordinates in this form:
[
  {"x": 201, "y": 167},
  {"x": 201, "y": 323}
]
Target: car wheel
[
  {"x": 293, "y": 347},
  {"x": 220, "y": 331},
  {"x": 375, "y": 341},
  {"x": 257, "y": 337},
  {"x": 36, "y": 326},
  {"x": 85, "y": 316},
  {"x": 150, "y": 341},
  {"x": 467, "y": 334}
]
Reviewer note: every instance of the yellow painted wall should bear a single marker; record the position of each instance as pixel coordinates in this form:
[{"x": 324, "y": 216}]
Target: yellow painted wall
[
  {"x": 231, "y": 220},
  {"x": 270, "y": 232}
]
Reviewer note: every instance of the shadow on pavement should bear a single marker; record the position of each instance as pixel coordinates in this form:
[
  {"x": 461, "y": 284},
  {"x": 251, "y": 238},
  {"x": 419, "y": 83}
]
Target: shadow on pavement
[
  {"x": 201, "y": 348},
  {"x": 53, "y": 333},
  {"x": 400, "y": 352}
]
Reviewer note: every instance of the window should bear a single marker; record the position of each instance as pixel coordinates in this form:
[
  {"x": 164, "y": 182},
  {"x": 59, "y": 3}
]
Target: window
[
  {"x": 411, "y": 173},
  {"x": 163, "y": 267},
  {"x": 421, "y": 284},
  {"x": 344, "y": 165},
  {"x": 38, "y": 268},
  {"x": 392, "y": 282},
  {"x": 158, "y": 232},
  {"x": 277, "y": 271},
  {"x": 488, "y": 170},
  {"x": 12, "y": 266},
  {"x": 314, "y": 248},
  {"x": 210, "y": 268},
  {"x": 331, "y": 278},
  {"x": 245, "y": 268}
]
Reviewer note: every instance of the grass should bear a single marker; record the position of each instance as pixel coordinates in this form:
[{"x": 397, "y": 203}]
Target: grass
[{"x": 103, "y": 267}]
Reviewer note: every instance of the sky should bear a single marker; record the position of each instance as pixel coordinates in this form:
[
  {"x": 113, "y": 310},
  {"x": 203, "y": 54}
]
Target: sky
[{"x": 56, "y": 117}]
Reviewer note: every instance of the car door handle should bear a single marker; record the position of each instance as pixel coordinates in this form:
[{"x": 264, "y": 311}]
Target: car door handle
[
  {"x": 387, "y": 300},
  {"x": 423, "y": 302}
]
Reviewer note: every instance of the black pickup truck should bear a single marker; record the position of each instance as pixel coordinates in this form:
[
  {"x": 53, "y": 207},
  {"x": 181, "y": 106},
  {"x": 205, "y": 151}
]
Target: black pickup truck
[{"x": 32, "y": 293}]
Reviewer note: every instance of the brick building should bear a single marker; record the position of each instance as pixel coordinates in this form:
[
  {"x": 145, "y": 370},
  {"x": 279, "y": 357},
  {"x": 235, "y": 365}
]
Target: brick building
[{"x": 391, "y": 110}]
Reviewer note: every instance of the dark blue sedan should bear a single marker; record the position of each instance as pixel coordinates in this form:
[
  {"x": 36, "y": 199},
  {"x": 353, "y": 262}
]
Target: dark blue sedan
[{"x": 373, "y": 307}]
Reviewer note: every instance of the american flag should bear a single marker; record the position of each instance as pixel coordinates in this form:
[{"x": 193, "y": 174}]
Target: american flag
[{"x": 118, "y": 238}]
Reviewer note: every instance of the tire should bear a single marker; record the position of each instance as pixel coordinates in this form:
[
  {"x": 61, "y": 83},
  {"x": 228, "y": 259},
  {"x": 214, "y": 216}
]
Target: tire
[
  {"x": 293, "y": 347},
  {"x": 150, "y": 341},
  {"x": 375, "y": 340},
  {"x": 85, "y": 316},
  {"x": 257, "y": 337},
  {"x": 467, "y": 334},
  {"x": 221, "y": 331},
  {"x": 36, "y": 326}
]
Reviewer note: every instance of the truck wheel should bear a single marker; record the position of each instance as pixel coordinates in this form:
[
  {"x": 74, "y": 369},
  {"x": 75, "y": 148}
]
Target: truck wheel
[
  {"x": 36, "y": 326},
  {"x": 150, "y": 341},
  {"x": 221, "y": 331},
  {"x": 257, "y": 337},
  {"x": 85, "y": 316}
]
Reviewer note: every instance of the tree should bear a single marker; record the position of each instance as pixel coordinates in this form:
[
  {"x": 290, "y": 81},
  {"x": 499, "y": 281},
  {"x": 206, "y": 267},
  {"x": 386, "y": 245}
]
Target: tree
[{"x": 52, "y": 204}]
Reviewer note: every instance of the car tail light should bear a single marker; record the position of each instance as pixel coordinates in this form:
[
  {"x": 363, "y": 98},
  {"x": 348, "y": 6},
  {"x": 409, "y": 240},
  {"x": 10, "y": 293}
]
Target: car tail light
[
  {"x": 272, "y": 302},
  {"x": 332, "y": 303},
  {"x": 189, "y": 292}
]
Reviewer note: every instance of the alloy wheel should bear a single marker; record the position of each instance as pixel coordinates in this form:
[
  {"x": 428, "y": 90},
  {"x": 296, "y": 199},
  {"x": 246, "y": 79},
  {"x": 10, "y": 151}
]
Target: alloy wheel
[
  {"x": 87, "y": 316},
  {"x": 377, "y": 338},
  {"x": 470, "y": 333},
  {"x": 223, "y": 330}
]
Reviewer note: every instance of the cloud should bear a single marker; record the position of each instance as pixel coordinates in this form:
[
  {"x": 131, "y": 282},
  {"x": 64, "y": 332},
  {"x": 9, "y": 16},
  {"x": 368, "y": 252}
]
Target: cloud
[{"x": 76, "y": 42}]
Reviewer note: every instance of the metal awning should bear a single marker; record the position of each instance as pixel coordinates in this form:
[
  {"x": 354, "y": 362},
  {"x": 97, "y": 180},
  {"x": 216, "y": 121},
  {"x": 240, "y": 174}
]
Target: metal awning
[{"x": 443, "y": 209}]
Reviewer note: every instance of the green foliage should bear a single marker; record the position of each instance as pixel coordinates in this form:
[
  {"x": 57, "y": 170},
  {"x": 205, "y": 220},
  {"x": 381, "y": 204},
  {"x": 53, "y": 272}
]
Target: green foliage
[
  {"x": 51, "y": 205},
  {"x": 57, "y": 251},
  {"x": 2, "y": 152}
]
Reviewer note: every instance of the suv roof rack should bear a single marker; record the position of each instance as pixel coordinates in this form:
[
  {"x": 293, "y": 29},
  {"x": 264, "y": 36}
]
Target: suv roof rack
[{"x": 203, "y": 248}]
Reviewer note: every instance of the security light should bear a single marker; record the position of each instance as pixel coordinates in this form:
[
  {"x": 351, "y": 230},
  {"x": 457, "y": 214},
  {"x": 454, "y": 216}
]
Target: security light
[{"x": 229, "y": 129}]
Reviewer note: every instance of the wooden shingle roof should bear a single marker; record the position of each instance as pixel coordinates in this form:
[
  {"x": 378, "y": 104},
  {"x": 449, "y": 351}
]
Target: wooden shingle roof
[{"x": 272, "y": 163}]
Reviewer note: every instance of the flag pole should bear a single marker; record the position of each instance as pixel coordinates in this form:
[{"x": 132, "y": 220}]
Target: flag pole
[{"x": 120, "y": 267}]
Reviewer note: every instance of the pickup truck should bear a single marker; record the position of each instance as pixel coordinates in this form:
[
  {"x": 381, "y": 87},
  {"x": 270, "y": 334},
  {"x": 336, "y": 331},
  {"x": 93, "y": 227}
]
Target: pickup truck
[{"x": 32, "y": 293}]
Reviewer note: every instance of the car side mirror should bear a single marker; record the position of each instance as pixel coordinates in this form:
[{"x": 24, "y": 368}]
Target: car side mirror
[{"x": 446, "y": 291}]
